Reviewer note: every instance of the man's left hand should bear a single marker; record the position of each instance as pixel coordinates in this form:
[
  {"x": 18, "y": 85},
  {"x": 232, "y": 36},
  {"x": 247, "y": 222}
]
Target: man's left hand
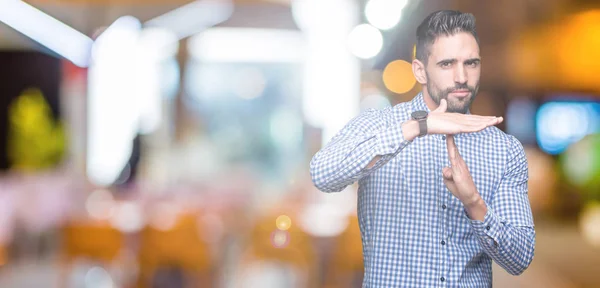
[{"x": 458, "y": 178}]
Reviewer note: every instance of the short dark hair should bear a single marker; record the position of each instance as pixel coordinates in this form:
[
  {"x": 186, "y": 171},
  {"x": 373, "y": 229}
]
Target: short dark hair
[{"x": 442, "y": 23}]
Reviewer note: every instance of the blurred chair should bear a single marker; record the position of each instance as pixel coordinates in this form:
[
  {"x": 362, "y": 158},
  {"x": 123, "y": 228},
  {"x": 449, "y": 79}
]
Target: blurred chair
[
  {"x": 278, "y": 258},
  {"x": 345, "y": 266},
  {"x": 97, "y": 241},
  {"x": 175, "y": 256}
]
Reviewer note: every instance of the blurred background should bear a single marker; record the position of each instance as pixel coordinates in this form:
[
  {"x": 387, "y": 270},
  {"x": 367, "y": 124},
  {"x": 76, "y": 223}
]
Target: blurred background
[{"x": 166, "y": 143}]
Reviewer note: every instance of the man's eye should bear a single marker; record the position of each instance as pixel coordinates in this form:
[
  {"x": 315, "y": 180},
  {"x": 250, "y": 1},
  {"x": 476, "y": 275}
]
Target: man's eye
[
  {"x": 472, "y": 64},
  {"x": 446, "y": 64}
]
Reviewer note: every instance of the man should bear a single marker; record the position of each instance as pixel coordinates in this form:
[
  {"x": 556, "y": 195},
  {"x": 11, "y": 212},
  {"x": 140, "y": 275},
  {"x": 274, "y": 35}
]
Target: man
[{"x": 442, "y": 192}]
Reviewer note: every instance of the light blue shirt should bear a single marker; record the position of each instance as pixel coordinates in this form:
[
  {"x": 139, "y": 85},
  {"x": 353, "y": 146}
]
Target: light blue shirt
[{"x": 415, "y": 233}]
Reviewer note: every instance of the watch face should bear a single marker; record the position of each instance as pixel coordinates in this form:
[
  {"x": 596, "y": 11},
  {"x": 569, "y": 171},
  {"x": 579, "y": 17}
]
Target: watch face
[{"x": 419, "y": 115}]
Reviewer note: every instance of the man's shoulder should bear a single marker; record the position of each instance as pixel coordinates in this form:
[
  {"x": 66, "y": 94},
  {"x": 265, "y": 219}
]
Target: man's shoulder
[
  {"x": 509, "y": 142},
  {"x": 508, "y": 138}
]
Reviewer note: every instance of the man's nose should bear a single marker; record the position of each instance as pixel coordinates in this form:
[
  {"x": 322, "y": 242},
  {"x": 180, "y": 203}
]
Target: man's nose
[{"x": 460, "y": 74}]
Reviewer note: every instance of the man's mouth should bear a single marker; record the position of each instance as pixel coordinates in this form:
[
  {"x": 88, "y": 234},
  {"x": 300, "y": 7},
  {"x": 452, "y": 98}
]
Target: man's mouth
[{"x": 460, "y": 93}]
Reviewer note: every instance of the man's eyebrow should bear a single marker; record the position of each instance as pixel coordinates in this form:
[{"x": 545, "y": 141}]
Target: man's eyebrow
[
  {"x": 451, "y": 60},
  {"x": 473, "y": 60}
]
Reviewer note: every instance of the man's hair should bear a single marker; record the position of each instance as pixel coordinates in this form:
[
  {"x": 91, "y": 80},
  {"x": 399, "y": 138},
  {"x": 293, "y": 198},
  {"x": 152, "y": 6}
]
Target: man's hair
[{"x": 442, "y": 23}]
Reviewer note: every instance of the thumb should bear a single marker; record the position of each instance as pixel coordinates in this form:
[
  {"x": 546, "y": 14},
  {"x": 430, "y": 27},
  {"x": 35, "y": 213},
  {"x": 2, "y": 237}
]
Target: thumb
[
  {"x": 442, "y": 107},
  {"x": 447, "y": 173}
]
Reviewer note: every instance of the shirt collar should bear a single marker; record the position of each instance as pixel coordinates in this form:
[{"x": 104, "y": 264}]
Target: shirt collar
[{"x": 418, "y": 103}]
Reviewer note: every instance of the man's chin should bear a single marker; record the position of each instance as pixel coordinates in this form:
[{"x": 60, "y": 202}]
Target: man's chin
[
  {"x": 458, "y": 105},
  {"x": 461, "y": 108}
]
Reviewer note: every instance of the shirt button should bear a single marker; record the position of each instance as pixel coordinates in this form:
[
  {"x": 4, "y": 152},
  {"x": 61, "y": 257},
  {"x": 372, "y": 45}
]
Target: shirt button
[
  {"x": 487, "y": 227},
  {"x": 443, "y": 137},
  {"x": 442, "y": 279},
  {"x": 443, "y": 206},
  {"x": 443, "y": 242}
]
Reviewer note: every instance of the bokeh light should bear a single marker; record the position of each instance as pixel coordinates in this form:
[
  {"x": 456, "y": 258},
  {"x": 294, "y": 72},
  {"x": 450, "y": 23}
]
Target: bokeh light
[
  {"x": 577, "y": 42},
  {"x": 398, "y": 77},
  {"x": 374, "y": 101},
  {"x": 164, "y": 216},
  {"x": 128, "y": 217},
  {"x": 283, "y": 222},
  {"x": 562, "y": 123},
  {"x": 328, "y": 215},
  {"x": 100, "y": 204},
  {"x": 97, "y": 277},
  {"x": 581, "y": 163},
  {"x": 280, "y": 239},
  {"x": 365, "y": 41},
  {"x": 589, "y": 223},
  {"x": 315, "y": 15},
  {"x": 384, "y": 14}
]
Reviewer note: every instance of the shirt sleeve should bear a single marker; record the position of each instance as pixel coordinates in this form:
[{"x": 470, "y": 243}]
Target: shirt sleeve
[
  {"x": 507, "y": 231},
  {"x": 345, "y": 158}
]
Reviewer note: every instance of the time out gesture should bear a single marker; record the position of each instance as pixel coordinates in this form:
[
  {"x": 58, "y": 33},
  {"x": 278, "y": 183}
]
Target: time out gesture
[
  {"x": 441, "y": 122},
  {"x": 457, "y": 178}
]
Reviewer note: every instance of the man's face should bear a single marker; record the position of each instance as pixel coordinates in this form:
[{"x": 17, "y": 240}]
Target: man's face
[{"x": 453, "y": 70}]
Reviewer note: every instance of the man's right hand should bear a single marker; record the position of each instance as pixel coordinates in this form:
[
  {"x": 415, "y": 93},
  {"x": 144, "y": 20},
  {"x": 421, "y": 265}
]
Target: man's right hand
[{"x": 441, "y": 122}]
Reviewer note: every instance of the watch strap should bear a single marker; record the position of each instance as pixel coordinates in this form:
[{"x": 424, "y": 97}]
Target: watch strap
[{"x": 422, "y": 127}]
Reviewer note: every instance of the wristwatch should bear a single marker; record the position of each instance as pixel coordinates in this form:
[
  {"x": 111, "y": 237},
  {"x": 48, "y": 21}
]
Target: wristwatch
[{"x": 421, "y": 117}]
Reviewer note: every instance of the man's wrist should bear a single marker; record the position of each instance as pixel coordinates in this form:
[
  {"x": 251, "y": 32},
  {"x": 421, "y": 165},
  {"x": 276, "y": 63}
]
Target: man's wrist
[
  {"x": 476, "y": 208},
  {"x": 410, "y": 130}
]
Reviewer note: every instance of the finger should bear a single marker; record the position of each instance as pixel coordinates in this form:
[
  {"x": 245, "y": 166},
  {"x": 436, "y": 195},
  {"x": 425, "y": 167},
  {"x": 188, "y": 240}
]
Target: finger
[
  {"x": 451, "y": 149},
  {"x": 447, "y": 173},
  {"x": 485, "y": 122},
  {"x": 481, "y": 119},
  {"x": 494, "y": 121},
  {"x": 478, "y": 117},
  {"x": 477, "y": 126},
  {"x": 459, "y": 163}
]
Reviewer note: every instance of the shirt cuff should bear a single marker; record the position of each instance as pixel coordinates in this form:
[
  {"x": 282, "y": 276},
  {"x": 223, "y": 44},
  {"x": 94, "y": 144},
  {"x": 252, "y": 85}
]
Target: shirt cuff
[
  {"x": 488, "y": 229},
  {"x": 389, "y": 141}
]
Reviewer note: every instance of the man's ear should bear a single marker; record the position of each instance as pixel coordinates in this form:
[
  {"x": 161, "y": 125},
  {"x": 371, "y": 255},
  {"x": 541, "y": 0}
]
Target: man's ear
[{"x": 419, "y": 71}]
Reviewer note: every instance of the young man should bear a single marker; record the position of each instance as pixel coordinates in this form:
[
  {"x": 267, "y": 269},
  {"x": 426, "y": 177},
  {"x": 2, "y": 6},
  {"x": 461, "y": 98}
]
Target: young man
[{"x": 442, "y": 192}]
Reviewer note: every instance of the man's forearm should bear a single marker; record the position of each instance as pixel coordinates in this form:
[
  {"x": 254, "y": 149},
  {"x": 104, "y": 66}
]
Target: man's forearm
[
  {"x": 476, "y": 209},
  {"x": 510, "y": 247},
  {"x": 410, "y": 131},
  {"x": 347, "y": 159}
]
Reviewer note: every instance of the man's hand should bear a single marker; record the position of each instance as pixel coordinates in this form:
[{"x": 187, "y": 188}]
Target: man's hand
[
  {"x": 441, "y": 122},
  {"x": 459, "y": 181}
]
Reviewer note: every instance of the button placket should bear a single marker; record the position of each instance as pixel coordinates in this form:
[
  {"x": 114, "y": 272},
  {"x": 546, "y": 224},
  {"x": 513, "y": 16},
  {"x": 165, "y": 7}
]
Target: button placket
[{"x": 444, "y": 212}]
